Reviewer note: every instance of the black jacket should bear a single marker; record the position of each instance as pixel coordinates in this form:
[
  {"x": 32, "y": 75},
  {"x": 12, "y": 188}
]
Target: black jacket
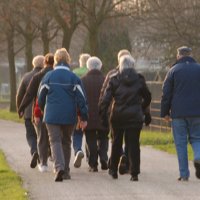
[
  {"x": 129, "y": 95},
  {"x": 32, "y": 89}
]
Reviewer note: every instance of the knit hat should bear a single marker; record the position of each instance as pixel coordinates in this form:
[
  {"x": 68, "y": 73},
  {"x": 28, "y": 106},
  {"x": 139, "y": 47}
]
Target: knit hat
[{"x": 94, "y": 63}]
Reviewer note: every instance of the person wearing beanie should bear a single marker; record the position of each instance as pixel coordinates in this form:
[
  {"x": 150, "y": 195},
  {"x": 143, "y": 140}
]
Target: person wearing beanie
[
  {"x": 96, "y": 134},
  {"x": 129, "y": 96},
  {"x": 181, "y": 103},
  {"x": 78, "y": 133}
]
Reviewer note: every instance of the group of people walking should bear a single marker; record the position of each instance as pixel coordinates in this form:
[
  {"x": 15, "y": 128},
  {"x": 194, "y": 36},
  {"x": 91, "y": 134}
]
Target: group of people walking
[{"x": 60, "y": 105}]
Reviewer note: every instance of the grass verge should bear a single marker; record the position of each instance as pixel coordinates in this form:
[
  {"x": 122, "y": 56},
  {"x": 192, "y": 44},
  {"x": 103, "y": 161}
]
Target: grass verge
[
  {"x": 10, "y": 183},
  {"x": 162, "y": 141},
  {"x": 7, "y": 115}
]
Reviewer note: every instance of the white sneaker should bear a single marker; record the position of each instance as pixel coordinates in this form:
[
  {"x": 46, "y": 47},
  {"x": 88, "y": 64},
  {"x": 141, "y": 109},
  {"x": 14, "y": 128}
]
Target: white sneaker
[
  {"x": 42, "y": 168},
  {"x": 78, "y": 158}
]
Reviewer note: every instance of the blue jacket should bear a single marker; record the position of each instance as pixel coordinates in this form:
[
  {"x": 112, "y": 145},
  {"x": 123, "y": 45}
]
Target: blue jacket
[
  {"x": 181, "y": 90},
  {"x": 61, "y": 96}
]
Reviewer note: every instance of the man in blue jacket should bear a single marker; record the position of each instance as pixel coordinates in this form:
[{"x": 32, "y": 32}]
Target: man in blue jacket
[
  {"x": 61, "y": 96},
  {"x": 181, "y": 102}
]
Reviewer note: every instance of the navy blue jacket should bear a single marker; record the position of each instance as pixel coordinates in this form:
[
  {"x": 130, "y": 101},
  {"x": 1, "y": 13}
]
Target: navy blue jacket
[
  {"x": 61, "y": 96},
  {"x": 181, "y": 90}
]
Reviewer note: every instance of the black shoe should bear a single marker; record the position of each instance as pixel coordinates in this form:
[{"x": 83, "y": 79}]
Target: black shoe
[
  {"x": 113, "y": 174},
  {"x": 34, "y": 160},
  {"x": 93, "y": 169},
  {"x": 66, "y": 176},
  {"x": 122, "y": 165},
  {"x": 134, "y": 178},
  {"x": 183, "y": 179},
  {"x": 197, "y": 167},
  {"x": 104, "y": 165},
  {"x": 59, "y": 176}
]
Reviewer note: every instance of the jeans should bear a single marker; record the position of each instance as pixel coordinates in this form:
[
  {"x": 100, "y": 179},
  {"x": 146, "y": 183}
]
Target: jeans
[
  {"x": 31, "y": 136},
  {"x": 77, "y": 140},
  {"x": 186, "y": 130}
]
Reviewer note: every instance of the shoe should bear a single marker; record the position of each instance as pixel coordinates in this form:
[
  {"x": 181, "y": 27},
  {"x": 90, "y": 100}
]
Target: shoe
[
  {"x": 93, "y": 169},
  {"x": 122, "y": 165},
  {"x": 78, "y": 158},
  {"x": 183, "y": 179},
  {"x": 66, "y": 176},
  {"x": 104, "y": 165},
  {"x": 113, "y": 174},
  {"x": 42, "y": 168},
  {"x": 134, "y": 178},
  {"x": 59, "y": 176},
  {"x": 197, "y": 167},
  {"x": 34, "y": 160}
]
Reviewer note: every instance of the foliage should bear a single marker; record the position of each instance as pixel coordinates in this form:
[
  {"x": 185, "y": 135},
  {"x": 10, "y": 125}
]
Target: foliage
[{"x": 10, "y": 183}]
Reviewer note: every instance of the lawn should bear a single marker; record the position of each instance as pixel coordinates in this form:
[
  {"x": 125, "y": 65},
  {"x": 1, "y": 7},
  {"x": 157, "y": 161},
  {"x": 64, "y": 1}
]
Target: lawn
[
  {"x": 7, "y": 115},
  {"x": 10, "y": 183}
]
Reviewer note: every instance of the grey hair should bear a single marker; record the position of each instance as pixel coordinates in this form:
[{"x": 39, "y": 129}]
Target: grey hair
[
  {"x": 83, "y": 59},
  {"x": 122, "y": 53},
  {"x": 184, "y": 51},
  {"x": 126, "y": 62},
  {"x": 38, "y": 61},
  {"x": 94, "y": 63}
]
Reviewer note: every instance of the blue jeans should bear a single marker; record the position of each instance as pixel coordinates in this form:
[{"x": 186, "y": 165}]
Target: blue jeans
[
  {"x": 184, "y": 130},
  {"x": 77, "y": 140}
]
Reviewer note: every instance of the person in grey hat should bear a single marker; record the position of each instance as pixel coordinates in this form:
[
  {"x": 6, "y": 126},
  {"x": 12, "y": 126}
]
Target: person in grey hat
[{"x": 181, "y": 102}]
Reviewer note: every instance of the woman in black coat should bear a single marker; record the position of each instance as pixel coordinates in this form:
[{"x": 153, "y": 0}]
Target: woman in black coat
[
  {"x": 129, "y": 95},
  {"x": 96, "y": 134}
]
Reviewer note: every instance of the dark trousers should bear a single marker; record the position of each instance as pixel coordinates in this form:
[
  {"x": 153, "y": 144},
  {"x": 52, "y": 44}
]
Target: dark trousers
[
  {"x": 132, "y": 137},
  {"x": 31, "y": 136},
  {"x": 96, "y": 145}
]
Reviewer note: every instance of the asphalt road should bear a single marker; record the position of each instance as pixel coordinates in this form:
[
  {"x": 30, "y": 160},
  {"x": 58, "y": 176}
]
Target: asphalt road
[{"x": 157, "y": 181}]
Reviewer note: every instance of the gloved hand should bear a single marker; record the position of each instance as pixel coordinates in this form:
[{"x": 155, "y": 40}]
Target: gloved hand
[{"x": 147, "y": 119}]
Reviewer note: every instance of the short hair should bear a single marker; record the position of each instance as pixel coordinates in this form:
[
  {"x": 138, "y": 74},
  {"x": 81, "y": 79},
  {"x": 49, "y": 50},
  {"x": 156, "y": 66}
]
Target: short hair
[
  {"x": 83, "y": 59},
  {"x": 38, "y": 61},
  {"x": 94, "y": 63},
  {"x": 126, "y": 62},
  {"x": 49, "y": 59},
  {"x": 62, "y": 55},
  {"x": 122, "y": 53},
  {"x": 184, "y": 51}
]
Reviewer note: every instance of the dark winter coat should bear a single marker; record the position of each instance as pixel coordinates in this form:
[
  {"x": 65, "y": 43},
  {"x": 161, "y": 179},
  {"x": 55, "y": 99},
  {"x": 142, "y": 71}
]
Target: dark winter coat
[
  {"x": 92, "y": 83},
  {"x": 129, "y": 95},
  {"x": 32, "y": 89},
  {"x": 60, "y": 95},
  {"x": 22, "y": 90},
  {"x": 181, "y": 90}
]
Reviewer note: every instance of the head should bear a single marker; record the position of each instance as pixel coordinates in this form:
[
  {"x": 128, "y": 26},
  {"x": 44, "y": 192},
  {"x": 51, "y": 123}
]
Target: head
[
  {"x": 122, "y": 53},
  {"x": 49, "y": 59},
  {"x": 62, "y": 55},
  {"x": 94, "y": 63},
  {"x": 183, "y": 51},
  {"x": 126, "y": 62},
  {"x": 83, "y": 59},
  {"x": 38, "y": 61}
]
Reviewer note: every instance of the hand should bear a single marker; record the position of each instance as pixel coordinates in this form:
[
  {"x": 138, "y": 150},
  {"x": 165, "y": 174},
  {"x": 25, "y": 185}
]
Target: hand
[
  {"x": 83, "y": 125},
  {"x": 36, "y": 120},
  {"x": 167, "y": 118},
  {"x": 21, "y": 114},
  {"x": 147, "y": 119}
]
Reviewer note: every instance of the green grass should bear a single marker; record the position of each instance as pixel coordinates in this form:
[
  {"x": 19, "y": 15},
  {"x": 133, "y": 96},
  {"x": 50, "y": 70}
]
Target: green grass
[
  {"x": 7, "y": 115},
  {"x": 162, "y": 141},
  {"x": 10, "y": 183}
]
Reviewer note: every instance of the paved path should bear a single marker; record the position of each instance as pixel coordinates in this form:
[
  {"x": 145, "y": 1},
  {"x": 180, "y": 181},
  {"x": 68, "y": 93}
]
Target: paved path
[{"x": 156, "y": 182}]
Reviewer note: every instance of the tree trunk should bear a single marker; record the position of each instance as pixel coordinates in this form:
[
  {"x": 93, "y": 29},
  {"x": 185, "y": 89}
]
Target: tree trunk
[
  {"x": 29, "y": 53},
  {"x": 45, "y": 39},
  {"x": 93, "y": 42},
  {"x": 11, "y": 60},
  {"x": 67, "y": 36}
]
